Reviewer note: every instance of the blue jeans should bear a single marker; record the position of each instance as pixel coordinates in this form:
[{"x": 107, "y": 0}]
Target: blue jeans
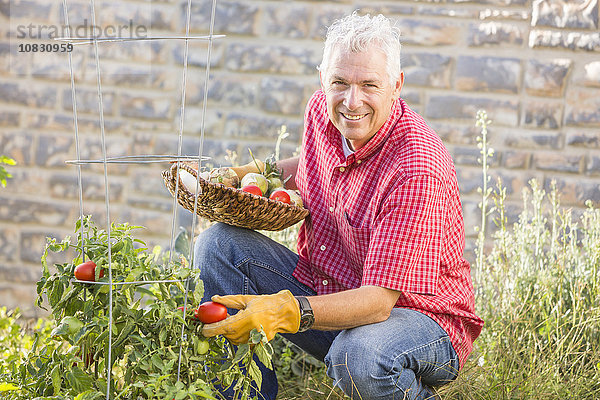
[{"x": 400, "y": 358}]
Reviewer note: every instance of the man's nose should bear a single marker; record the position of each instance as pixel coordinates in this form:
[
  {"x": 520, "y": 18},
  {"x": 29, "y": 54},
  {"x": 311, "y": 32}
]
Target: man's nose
[{"x": 353, "y": 98}]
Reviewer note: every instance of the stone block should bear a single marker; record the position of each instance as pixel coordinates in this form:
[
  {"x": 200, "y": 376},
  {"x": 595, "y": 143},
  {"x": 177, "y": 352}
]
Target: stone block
[
  {"x": 429, "y": 32},
  {"x": 390, "y": 10},
  {"x": 121, "y": 75},
  {"x": 21, "y": 296},
  {"x": 64, "y": 122},
  {"x": 18, "y": 146},
  {"x": 292, "y": 21},
  {"x": 163, "y": 17},
  {"x": 491, "y": 74},
  {"x": 32, "y": 248},
  {"x": 523, "y": 139},
  {"x": 580, "y": 14},
  {"x": 116, "y": 146},
  {"x": 410, "y": 95},
  {"x": 66, "y": 186},
  {"x": 284, "y": 96},
  {"x": 565, "y": 40},
  {"x": 226, "y": 89},
  {"x": 22, "y": 274},
  {"x": 540, "y": 114},
  {"x": 261, "y": 127},
  {"x": 87, "y": 101},
  {"x": 198, "y": 54},
  {"x": 592, "y": 166},
  {"x": 213, "y": 121},
  {"x": 502, "y": 112},
  {"x": 149, "y": 183},
  {"x": 271, "y": 59},
  {"x": 238, "y": 17},
  {"x": 9, "y": 246},
  {"x": 450, "y": 12},
  {"x": 150, "y": 106},
  {"x": 26, "y": 11},
  {"x": 547, "y": 78},
  {"x": 575, "y": 190},
  {"x": 470, "y": 156},
  {"x": 423, "y": 69},
  {"x": 53, "y": 150},
  {"x": 592, "y": 74},
  {"x": 558, "y": 162},
  {"x": 158, "y": 223},
  {"x": 504, "y": 14},
  {"x": 20, "y": 211},
  {"x": 583, "y": 108},
  {"x": 28, "y": 94},
  {"x": 323, "y": 17},
  {"x": 515, "y": 181},
  {"x": 455, "y": 134},
  {"x": 469, "y": 179},
  {"x": 494, "y": 33},
  {"x": 584, "y": 139},
  {"x": 10, "y": 118},
  {"x": 515, "y": 159},
  {"x": 162, "y": 205},
  {"x": 55, "y": 66}
]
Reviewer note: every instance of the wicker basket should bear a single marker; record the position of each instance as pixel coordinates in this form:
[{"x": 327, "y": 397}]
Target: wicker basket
[{"x": 219, "y": 203}]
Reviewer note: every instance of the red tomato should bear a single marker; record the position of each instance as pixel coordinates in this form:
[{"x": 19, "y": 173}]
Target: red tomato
[
  {"x": 87, "y": 271},
  {"x": 252, "y": 189},
  {"x": 210, "y": 312},
  {"x": 281, "y": 195}
]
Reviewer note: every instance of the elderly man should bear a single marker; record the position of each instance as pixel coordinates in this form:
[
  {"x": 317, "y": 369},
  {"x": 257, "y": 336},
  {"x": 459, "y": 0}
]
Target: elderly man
[{"x": 379, "y": 288}]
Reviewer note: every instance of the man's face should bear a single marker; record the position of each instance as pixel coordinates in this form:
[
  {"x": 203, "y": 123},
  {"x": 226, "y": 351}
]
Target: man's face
[{"x": 359, "y": 93}]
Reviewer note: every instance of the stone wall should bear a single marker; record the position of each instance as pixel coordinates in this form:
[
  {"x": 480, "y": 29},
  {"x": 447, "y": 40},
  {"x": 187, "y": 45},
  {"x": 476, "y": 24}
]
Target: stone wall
[{"x": 533, "y": 65}]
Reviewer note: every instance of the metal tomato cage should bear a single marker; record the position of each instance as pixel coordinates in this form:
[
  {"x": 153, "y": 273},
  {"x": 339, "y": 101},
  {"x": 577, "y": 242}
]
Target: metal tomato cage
[{"x": 141, "y": 159}]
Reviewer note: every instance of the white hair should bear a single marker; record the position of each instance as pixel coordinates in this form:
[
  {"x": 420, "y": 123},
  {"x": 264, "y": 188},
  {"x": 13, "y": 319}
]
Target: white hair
[{"x": 356, "y": 33}]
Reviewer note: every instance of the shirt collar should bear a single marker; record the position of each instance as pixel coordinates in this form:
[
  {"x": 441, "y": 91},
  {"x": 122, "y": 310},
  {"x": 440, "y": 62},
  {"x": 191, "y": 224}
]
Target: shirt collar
[{"x": 376, "y": 141}]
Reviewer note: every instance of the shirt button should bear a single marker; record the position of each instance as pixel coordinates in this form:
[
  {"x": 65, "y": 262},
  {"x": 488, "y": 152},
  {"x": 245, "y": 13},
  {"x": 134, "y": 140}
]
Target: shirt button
[
  {"x": 331, "y": 208},
  {"x": 358, "y": 161},
  {"x": 325, "y": 282},
  {"x": 323, "y": 247},
  {"x": 342, "y": 169}
]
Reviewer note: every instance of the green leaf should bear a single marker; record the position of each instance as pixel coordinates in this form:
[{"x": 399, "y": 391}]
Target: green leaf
[
  {"x": 56, "y": 379},
  {"x": 7, "y": 387},
  {"x": 255, "y": 373},
  {"x": 89, "y": 395}
]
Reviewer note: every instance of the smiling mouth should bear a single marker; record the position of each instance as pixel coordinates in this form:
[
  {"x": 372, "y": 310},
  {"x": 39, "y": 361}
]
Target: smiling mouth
[{"x": 353, "y": 117}]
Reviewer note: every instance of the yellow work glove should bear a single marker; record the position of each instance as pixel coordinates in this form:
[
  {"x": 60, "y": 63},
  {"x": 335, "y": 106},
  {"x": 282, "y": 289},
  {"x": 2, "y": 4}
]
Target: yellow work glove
[{"x": 274, "y": 313}]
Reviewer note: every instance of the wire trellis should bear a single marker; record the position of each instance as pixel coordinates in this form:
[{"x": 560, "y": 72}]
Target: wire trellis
[{"x": 141, "y": 159}]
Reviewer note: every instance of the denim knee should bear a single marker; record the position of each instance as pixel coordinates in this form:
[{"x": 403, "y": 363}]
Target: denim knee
[{"x": 352, "y": 364}]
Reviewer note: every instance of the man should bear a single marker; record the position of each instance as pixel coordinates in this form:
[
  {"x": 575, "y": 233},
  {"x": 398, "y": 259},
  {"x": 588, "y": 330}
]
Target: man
[{"x": 379, "y": 289}]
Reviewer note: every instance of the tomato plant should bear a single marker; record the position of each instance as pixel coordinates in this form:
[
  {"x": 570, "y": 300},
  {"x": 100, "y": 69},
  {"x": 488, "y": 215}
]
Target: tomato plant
[
  {"x": 210, "y": 312},
  {"x": 134, "y": 330}
]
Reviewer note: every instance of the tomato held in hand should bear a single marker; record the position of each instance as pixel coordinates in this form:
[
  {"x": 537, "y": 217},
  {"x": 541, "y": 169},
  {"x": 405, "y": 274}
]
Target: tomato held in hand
[
  {"x": 211, "y": 312},
  {"x": 252, "y": 189},
  {"x": 87, "y": 271},
  {"x": 281, "y": 195}
]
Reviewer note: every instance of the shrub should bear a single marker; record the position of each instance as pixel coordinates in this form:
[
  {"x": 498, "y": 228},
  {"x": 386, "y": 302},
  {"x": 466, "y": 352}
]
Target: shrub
[{"x": 537, "y": 290}]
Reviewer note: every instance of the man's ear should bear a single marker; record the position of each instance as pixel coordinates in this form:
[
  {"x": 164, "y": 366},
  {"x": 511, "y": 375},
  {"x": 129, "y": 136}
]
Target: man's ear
[
  {"x": 321, "y": 80},
  {"x": 398, "y": 85}
]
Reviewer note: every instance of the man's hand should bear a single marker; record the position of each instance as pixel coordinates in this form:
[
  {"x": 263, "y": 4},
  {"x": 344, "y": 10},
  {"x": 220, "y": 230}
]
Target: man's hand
[{"x": 274, "y": 313}]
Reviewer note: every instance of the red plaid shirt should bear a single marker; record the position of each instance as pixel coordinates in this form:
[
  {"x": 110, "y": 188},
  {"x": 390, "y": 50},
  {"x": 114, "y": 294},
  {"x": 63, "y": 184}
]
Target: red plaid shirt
[{"x": 388, "y": 215}]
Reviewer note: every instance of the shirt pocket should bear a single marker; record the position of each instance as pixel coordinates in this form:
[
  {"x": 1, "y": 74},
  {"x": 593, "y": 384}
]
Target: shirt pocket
[{"x": 355, "y": 243}]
